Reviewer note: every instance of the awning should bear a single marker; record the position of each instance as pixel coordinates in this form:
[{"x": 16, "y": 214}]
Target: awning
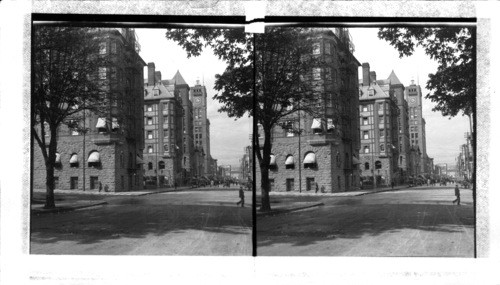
[
  {"x": 101, "y": 123},
  {"x": 138, "y": 160},
  {"x": 310, "y": 158},
  {"x": 74, "y": 158},
  {"x": 355, "y": 160},
  {"x": 273, "y": 160},
  {"x": 317, "y": 124},
  {"x": 289, "y": 160},
  {"x": 94, "y": 157},
  {"x": 58, "y": 158},
  {"x": 114, "y": 124}
]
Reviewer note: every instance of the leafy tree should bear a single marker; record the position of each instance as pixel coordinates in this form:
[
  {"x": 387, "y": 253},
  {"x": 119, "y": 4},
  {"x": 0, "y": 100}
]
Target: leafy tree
[
  {"x": 65, "y": 65},
  {"x": 264, "y": 78},
  {"x": 453, "y": 86}
]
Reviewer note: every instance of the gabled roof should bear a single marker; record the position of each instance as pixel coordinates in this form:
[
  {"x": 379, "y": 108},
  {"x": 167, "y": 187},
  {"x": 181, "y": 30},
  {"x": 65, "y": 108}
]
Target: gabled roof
[
  {"x": 394, "y": 79},
  {"x": 178, "y": 79},
  {"x": 379, "y": 92}
]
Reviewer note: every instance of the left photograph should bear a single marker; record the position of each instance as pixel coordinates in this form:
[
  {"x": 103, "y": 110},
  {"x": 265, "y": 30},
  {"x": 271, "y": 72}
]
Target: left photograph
[{"x": 140, "y": 141}]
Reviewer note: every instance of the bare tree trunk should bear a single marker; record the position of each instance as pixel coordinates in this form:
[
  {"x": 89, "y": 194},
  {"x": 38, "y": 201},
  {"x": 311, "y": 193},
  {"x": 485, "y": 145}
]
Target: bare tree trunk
[
  {"x": 265, "y": 201},
  {"x": 49, "y": 186}
]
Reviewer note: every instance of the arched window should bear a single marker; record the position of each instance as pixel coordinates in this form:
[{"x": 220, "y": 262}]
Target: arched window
[
  {"x": 289, "y": 162},
  {"x": 367, "y": 166},
  {"x": 310, "y": 160},
  {"x": 150, "y": 149},
  {"x": 366, "y": 149},
  {"x": 73, "y": 161},
  {"x": 378, "y": 164},
  {"x": 272, "y": 162},
  {"x": 161, "y": 164},
  {"x": 150, "y": 165},
  {"x": 94, "y": 159}
]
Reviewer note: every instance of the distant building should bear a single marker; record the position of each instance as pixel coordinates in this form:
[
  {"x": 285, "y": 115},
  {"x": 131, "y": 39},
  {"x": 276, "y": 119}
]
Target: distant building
[
  {"x": 109, "y": 153},
  {"x": 202, "y": 130},
  {"x": 379, "y": 130},
  {"x": 417, "y": 125},
  {"x": 163, "y": 134},
  {"x": 326, "y": 150}
]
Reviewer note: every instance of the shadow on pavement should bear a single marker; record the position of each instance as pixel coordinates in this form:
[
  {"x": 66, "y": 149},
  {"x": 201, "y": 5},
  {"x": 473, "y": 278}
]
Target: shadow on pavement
[
  {"x": 138, "y": 221},
  {"x": 348, "y": 221}
]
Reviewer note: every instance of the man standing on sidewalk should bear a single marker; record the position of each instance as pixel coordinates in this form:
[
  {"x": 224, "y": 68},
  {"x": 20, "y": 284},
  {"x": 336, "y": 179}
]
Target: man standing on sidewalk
[
  {"x": 242, "y": 197},
  {"x": 457, "y": 194}
]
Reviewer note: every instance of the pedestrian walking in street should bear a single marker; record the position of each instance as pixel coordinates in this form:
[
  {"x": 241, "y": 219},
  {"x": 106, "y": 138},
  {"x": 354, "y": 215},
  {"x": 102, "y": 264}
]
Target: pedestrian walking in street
[
  {"x": 392, "y": 184},
  {"x": 100, "y": 186},
  {"x": 457, "y": 194},
  {"x": 323, "y": 189},
  {"x": 317, "y": 188},
  {"x": 242, "y": 197}
]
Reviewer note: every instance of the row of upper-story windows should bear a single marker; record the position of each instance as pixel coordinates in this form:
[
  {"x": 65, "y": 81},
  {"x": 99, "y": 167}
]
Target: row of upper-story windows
[{"x": 328, "y": 48}]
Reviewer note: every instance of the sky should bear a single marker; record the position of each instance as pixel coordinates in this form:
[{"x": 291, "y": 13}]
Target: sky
[
  {"x": 228, "y": 137},
  {"x": 443, "y": 135}
]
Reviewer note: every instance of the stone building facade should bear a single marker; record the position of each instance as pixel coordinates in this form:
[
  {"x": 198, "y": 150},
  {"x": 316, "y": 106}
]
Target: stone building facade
[
  {"x": 108, "y": 155},
  {"x": 325, "y": 152},
  {"x": 378, "y": 113},
  {"x": 162, "y": 131}
]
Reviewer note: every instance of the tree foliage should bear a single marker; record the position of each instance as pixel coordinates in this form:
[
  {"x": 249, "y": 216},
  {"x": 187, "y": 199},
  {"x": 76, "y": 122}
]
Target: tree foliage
[
  {"x": 264, "y": 78},
  {"x": 453, "y": 86},
  {"x": 65, "y": 83}
]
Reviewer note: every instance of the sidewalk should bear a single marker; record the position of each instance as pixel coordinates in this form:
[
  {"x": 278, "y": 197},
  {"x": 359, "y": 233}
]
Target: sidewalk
[
  {"x": 287, "y": 208},
  {"x": 61, "y": 207},
  {"x": 341, "y": 194},
  {"x": 128, "y": 193}
]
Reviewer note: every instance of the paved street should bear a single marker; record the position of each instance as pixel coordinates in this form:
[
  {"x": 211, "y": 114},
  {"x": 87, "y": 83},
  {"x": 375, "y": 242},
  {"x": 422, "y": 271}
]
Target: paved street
[
  {"x": 194, "y": 222},
  {"x": 419, "y": 221}
]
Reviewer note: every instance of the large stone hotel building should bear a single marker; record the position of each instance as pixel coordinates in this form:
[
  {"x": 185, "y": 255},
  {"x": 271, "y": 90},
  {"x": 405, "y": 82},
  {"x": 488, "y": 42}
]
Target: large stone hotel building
[
  {"x": 326, "y": 151},
  {"x": 109, "y": 154}
]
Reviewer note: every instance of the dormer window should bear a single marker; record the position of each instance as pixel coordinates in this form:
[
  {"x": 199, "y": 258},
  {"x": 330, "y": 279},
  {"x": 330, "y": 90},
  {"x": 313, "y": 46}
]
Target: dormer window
[
  {"x": 371, "y": 92},
  {"x": 156, "y": 92}
]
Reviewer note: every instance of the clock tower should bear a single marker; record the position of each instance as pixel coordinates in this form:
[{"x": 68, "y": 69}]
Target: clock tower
[
  {"x": 417, "y": 123},
  {"x": 201, "y": 129}
]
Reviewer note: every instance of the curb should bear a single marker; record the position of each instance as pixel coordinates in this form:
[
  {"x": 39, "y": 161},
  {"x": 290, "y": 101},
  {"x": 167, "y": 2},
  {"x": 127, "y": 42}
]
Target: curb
[
  {"x": 66, "y": 209},
  {"x": 284, "y": 211}
]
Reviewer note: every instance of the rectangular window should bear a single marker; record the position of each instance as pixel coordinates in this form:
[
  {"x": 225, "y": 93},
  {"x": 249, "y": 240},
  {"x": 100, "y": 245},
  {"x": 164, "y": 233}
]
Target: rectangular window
[
  {"x": 149, "y": 108},
  {"x": 113, "y": 48},
  {"x": 316, "y": 48},
  {"x": 150, "y": 120},
  {"x": 366, "y": 149},
  {"x": 364, "y": 109},
  {"x": 165, "y": 133},
  {"x": 73, "y": 182},
  {"x": 365, "y": 121},
  {"x": 328, "y": 73},
  {"x": 316, "y": 73},
  {"x": 102, "y": 72},
  {"x": 56, "y": 182},
  {"x": 416, "y": 135},
  {"x": 156, "y": 92},
  {"x": 113, "y": 73},
  {"x": 150, "y": 135},
  {"x": 289, "y": 184},
  {"x": 381, "y": 106},
  {"x": 102, "y": 48},
  {"x": 381, "y": 119},
  {"x": 366, "y": 135},
  {"x": 309, "y": 183},
  {"x": 94, "y": 181},
  {"x": 328, "y": 48},
  {"x": 381, "y": 132}
]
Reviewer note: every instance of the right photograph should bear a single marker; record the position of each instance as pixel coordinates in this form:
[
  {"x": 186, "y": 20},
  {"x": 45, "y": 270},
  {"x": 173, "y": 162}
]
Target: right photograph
[{"x": 364, "y": 140}]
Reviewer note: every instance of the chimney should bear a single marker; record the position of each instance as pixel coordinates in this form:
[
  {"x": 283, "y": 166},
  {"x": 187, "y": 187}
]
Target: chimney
[
  {"x": 151, "y": 74},
  {"x": 158, "y": 76},
  {"x": 373, "y": 76},
  {"x": 366, "y": 74}
]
